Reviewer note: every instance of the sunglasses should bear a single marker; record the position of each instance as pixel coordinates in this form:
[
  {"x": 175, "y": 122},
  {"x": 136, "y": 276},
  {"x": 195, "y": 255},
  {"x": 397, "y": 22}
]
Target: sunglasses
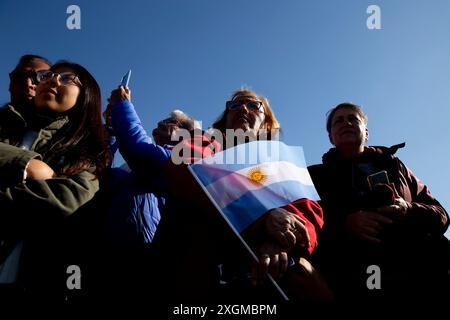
[
  {"x": 20, "y": 76},
  {"x": 252, "y": 105},
  {"x": 65, "y": 78}
]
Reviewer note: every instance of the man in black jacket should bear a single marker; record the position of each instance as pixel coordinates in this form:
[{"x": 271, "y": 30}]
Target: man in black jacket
[{"x": 383, "y": 232}]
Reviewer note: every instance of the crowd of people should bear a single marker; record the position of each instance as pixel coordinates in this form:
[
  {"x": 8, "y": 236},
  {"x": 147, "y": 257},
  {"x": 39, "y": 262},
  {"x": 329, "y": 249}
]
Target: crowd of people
[{"x": 147, "y": 229}]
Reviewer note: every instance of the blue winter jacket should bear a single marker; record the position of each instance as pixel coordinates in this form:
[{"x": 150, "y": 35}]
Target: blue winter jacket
[{"x": 137, "y": 196}]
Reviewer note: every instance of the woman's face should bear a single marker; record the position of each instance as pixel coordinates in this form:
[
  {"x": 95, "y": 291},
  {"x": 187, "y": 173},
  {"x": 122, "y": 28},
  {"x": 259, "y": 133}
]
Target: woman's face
[
  {"x": 58, "y": 90},
  {"x": 246, "y": 113},
  {"x": 348, "y": 128}
]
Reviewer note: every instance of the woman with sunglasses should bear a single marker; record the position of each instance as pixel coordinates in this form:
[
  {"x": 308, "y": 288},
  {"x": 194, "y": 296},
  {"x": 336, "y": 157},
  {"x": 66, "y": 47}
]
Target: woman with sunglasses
[
  {"x": 50, "y": 162},
  {"x": 212, "y": 254},
  {"x": 295, "y": 225}
]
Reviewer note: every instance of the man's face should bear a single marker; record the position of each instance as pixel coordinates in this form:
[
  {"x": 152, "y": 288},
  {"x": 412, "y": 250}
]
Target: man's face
[
  {"x": 23, "y": 82},
  {"x": 164, "y": 133},
  {"x": 348, "y": 128}
]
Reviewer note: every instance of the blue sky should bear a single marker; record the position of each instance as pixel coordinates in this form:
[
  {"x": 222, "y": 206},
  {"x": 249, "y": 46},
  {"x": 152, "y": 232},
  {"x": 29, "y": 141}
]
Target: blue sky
[{"x": 305, "y": 56}]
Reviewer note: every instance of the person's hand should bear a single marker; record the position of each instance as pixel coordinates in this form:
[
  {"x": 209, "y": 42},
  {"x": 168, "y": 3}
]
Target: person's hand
[
  {"x": 119, "y": 94},
  {"x": 366, "y": 225},
  {"x": 38, "y": 170},
  {"x": 396, "y": 210},
  {"x": 286, "y": 228},
  {"x": 273, "y": 259}
]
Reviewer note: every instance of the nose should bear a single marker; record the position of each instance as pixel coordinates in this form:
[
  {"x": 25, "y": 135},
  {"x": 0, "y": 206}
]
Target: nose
[
  {"x": 30, "y": 83},
  {"x": 244, "y": 107},
  {"x": 54, "y": 79}
]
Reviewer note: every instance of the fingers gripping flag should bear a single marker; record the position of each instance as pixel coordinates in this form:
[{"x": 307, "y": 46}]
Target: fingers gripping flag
[{"x": 248, "y": 180}]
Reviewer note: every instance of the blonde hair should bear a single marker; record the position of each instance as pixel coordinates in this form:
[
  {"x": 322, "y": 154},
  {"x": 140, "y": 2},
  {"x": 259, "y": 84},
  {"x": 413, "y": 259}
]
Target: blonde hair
[{"x": 270, "y": 121}]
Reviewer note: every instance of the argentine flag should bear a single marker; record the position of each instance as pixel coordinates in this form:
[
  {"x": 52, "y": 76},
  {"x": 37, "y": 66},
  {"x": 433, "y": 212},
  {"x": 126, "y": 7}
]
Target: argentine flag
[{"x": 247, "y": 180}]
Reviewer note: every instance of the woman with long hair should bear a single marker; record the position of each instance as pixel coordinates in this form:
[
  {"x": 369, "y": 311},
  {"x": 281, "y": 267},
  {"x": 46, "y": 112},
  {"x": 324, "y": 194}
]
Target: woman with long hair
[{"x": 50, "y": 160}]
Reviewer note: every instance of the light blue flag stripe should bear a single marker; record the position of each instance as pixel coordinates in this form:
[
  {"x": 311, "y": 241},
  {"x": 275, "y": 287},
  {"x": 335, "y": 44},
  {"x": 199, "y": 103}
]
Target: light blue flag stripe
[
  {"x": 216, "y": 167},
  {"x": 245, "y": 210},
  {"x": 210, "y": 173}
]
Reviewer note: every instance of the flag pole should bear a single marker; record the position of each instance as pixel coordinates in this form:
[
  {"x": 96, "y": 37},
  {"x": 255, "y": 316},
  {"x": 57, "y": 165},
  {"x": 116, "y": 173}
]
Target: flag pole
[{"x": 280, "y": 291}]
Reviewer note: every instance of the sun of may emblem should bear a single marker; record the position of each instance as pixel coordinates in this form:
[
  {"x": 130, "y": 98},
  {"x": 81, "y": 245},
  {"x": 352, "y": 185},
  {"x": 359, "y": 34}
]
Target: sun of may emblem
[{"x": 257, "y": 175}]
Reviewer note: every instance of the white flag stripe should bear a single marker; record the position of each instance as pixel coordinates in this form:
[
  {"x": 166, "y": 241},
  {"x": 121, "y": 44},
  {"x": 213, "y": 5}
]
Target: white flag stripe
[{"x": 233, "y": 186}]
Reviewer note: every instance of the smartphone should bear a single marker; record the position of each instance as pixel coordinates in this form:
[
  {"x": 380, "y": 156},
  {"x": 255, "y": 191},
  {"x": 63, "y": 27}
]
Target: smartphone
[
  {"x": 378, "y": 177},
  {"x": 126, "y": 79}
]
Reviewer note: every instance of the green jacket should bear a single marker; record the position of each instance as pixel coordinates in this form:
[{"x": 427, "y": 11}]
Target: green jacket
[{"x": 26, "y": 204}]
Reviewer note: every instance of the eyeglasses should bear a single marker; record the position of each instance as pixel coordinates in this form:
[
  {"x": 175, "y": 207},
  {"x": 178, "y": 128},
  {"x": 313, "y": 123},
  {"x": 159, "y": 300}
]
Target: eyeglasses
[
  {"x": 252, "y": 105},
  {"x": 65, "y": 78},
  {"x": 19, "y": 76}
]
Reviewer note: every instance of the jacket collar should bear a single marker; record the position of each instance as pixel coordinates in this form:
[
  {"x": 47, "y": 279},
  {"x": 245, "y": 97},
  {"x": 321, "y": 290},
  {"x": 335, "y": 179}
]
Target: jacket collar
[
  {"x": 36, "y": 121},
  {"x": 333, "y": 156}
]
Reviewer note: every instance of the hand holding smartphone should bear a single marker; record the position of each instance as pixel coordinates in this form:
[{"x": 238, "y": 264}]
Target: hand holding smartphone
[
  {"x": 377, "y": 178},
  {"x": 119, "y": 94}
]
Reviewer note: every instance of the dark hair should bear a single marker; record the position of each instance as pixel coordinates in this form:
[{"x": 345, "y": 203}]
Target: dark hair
[
  {"x": 347, "y": 105},
  {"x": 27, "y": 58},
  {"x": 83, "y": 140}
]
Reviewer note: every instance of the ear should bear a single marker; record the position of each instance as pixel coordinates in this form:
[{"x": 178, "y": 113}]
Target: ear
[
  {"x": 367, "y": 134},
  {"x": 331, "y": 139}
]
